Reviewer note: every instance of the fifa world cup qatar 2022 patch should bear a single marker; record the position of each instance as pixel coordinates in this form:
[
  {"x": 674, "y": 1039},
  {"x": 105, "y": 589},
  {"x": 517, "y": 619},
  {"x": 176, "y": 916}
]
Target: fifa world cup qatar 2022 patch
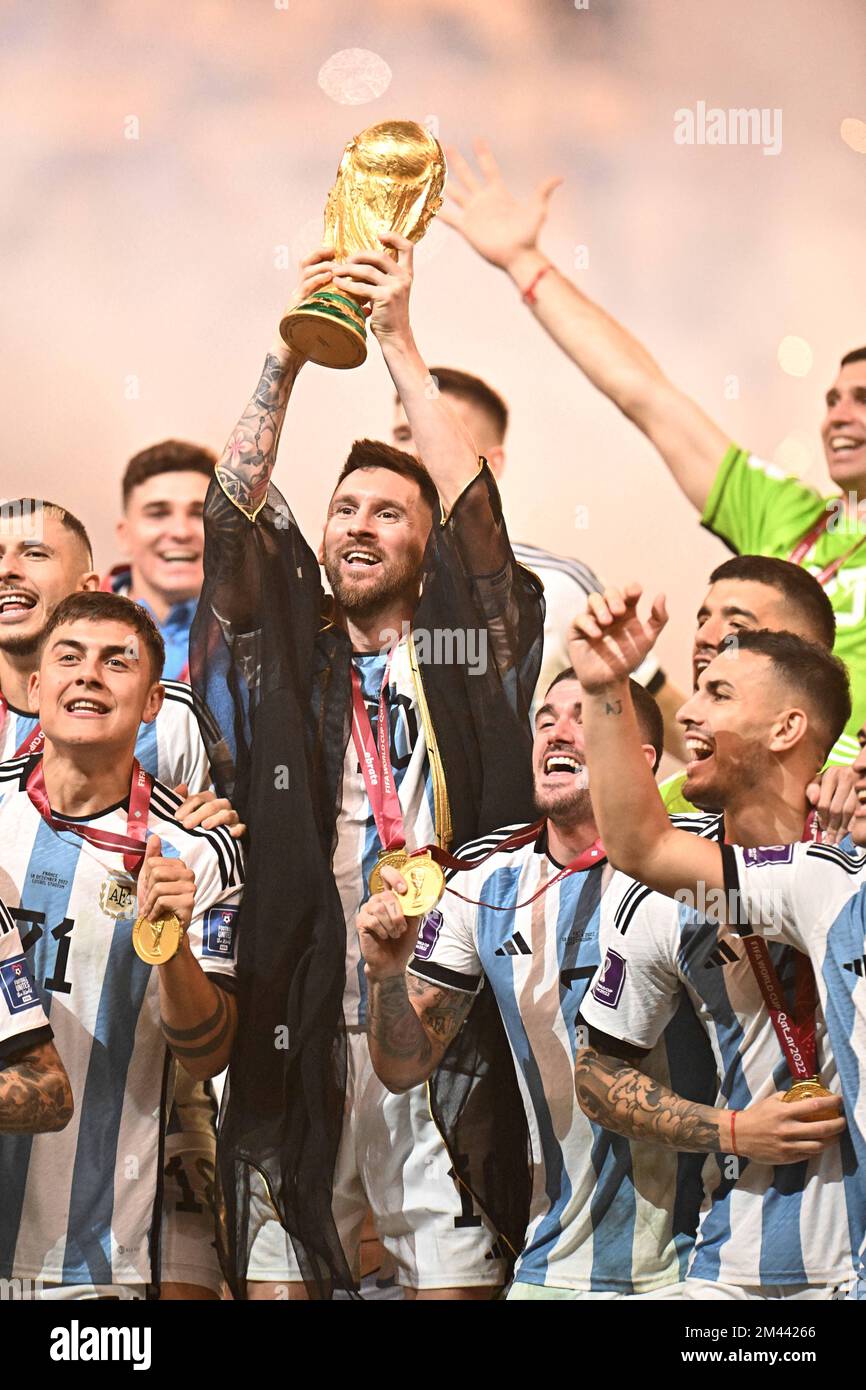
[
  {"x": 428, "y": 934},
  {"x": 773, "y": 854},
  {"x": 608, "y": 987}
]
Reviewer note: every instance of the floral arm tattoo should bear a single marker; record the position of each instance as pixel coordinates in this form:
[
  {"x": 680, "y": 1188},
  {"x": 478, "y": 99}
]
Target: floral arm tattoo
[
  {"x": 618, "y": 1097},
  {"x": 35, "y": 1095},
  {"x": 245, "y": 468},
  {"x": 410, "y": 1024}
]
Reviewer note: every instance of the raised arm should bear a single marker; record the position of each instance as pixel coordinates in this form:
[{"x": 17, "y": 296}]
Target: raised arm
[
  {"x": 608, "y": 642},
  {"x": 505, "y": 232},
  {"x": 615, "y": 1094},
  {"x": 410, "y": 1023},
  {"x": 35, "y": 1094},
  {"x": 443, "y": 441}
]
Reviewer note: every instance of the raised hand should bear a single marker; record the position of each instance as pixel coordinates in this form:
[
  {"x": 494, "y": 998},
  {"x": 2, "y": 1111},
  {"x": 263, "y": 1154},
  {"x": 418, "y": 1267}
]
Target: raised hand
[
  {"x": 385, "y": 283},
  {"x": 486, "y": 212},
  {"x": 387, "y": 938},
  {"x": 165, "y": 885},
  {"x": 209, "y": 811},
  {"x": 314, "y": 273},
  {"x": 833, "y": 796},
  {"x": 609, "y": 641}
]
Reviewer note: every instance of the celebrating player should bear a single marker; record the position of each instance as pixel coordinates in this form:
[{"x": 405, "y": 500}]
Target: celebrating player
[
  {"x": 79, "y": 823},
  {"x": 161, "y": 534},
  {"x": 566, "y": 582},
  {"x": 758, "y": 591},
  {"x": 365, "y": 739},
  {"x": 800, "y": 695},
  {"x": 750, "y": 504}
]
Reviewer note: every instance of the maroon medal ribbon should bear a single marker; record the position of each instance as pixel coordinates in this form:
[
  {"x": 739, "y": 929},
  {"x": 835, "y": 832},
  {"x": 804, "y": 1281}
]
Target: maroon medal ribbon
[
  {"x": 131, "y": 845},
  {"x": 795, "y": 1031},
  {"x": 375, "y": 759},
  {"x": 585, "y": 860},
  {"x": 804, "y": 545}
]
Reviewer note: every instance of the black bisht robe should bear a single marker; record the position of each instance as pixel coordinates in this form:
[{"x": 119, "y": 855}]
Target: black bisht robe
[{"x": 276, "y": 674}]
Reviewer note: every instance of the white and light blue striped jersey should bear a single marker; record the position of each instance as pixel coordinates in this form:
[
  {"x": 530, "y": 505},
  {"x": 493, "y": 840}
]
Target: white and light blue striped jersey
[
  {"x": 170, "y": 749},
  {"x": 82, "y": 1206},
  {"x": 812, "y": 896},
  {"x": 358, "y": 845},
  {"x": 22, "y": 1019},
  {"x": 606, "y": 1214},
  {"x": 567, "y": 585},
  {"x": 759, "y": 1224}
]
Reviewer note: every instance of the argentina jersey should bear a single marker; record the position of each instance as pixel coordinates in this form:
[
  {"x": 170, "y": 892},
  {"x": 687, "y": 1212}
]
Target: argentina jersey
[
  {"x": 171, "y": 748},
  {"x": 606, "y": 1215},
  {"x": 81, "y": 1207},
  {"x": 812, "y": 896},
  {"x": 357, "y": 843},
  {"x": 760, "y": 1225}
]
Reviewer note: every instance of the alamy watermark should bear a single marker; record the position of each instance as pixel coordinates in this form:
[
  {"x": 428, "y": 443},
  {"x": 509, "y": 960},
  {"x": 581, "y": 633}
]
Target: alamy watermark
[
  {"x": 441, "y": 646},
  {"x": 721, "y": 907},
  {"x": 737, "y": 126}
]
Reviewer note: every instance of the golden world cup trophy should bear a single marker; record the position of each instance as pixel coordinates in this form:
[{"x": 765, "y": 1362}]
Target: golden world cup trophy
[{"x": 390, "y": 179}]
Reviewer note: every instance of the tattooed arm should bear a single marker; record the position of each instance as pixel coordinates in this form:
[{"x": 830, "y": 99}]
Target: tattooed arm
[
  {"x": 613, "y": 1093},
  {"x": 410, "y": 1024},
  {"x": 199, "y": 1019},
  {"x": 35, "y": 1094},
  {"x": 247, "y": 462}
]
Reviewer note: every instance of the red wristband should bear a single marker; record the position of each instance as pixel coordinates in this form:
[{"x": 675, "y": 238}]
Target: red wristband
[
  {"x": 528, "y": 295},
  {"x": 733, "y": 1133}
]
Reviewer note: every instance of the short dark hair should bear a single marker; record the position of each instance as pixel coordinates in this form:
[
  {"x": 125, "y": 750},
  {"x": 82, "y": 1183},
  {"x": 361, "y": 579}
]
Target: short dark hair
[
  {"x": 102, "y": 607},
  {"x": 12, "y": 509},
  {"x": 372, "y": 453},
  {"x": 649, "y": 716},
  {"x": 813, "y": 672},
  {"x": 797, "y": 586},
  {"x": 856, "y": 355},
  {"x": 471, "y": 388},
  {"x": 171, "y": 456}
]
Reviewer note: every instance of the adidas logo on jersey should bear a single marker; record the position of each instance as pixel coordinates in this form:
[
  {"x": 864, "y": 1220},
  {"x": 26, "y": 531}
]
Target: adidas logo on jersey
[
  {"x": 722, "y": 955},
  {"x": 515, "y": 947},
  {"x": 857, "y": 967}
]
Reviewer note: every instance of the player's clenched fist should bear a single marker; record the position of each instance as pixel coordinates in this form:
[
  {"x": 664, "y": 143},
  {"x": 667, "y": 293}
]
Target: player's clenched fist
[
  {"x": 386, "y": 937},
  {"x": 165, "y": 885},
  {"x": 609, "y": 640}
]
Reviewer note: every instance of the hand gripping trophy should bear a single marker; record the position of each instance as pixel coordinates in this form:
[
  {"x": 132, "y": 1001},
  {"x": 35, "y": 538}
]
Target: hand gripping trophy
[{"x": 390, "y": 178}]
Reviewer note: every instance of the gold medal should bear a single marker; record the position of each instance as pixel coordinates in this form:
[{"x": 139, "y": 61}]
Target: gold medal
[
  {"x": 421, "y": 872},
  {"x": 806, "y": 1090},
  {"x": 426, "y": 885},
  {"x": 117, "y": 897},
  {"x": 395, "y": 859},
  {"x": 156, "y": 942}
]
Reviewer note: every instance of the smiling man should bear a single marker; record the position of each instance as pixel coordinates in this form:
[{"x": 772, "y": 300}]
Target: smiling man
[
  {"x": 352, "y": 744},
  {"x": 608, "y": 1219},
  {"x": 779, "y": 706},
  {"x": 88, "y": 843},
  {"x": 161, "y": 535}
]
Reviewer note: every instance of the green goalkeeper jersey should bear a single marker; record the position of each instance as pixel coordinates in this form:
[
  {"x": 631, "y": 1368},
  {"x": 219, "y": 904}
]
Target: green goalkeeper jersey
[{"x": 757, "y": 510}]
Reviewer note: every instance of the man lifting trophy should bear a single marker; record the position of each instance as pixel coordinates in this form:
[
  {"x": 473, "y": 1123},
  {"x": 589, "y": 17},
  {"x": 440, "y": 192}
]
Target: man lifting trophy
[{"x": 390, "y": 178}]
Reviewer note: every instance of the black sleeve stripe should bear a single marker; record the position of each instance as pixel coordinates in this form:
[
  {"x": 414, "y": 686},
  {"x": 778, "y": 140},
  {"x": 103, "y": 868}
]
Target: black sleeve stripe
[
  {"x": 441, "y": 975},
  {"x": 852, "y": 863},
  {"x": 227, "y": 865},
  {"x": 732, "y": 888},
  {"x": 23, "y": 1042},
  {"x": 707, "y": 826},
  {"x": 7, "y": 921},
  {"x": 655, "y": 682},
  {"x": 534, "y": 556},
  {"x": 224, "y": 839},
  {"x": 184, "y": 694},
  {"x": 631, "y": 901}
]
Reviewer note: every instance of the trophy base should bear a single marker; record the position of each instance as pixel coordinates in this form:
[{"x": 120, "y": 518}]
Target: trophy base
[{"x": 328, "y": 329}]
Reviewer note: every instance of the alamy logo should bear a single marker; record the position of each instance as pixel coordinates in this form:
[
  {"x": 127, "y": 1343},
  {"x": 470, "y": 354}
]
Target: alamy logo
[
  {"x": 77, "y": 1343},
  {"x": 737, "y": 126}
]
